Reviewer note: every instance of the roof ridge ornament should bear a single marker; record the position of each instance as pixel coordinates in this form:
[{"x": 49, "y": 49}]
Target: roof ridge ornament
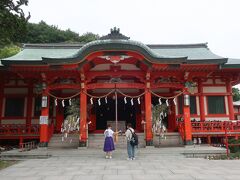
[
  {"x": 114, "y": 34},
  {"x": 115, "y": 59}
]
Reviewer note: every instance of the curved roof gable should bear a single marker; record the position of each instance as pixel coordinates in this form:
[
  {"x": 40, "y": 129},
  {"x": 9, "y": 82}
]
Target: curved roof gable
[{"x": 117, "y": 45}]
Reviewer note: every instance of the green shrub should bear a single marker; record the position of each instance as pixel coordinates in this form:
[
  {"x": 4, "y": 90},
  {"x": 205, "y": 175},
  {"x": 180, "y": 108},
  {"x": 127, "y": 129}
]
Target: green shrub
[{"x": 234, "y": 149}]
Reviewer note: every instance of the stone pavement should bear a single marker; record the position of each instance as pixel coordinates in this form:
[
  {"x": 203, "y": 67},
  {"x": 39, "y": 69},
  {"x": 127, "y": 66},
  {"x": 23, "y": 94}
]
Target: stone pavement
[{"x": 150, "y": 164}]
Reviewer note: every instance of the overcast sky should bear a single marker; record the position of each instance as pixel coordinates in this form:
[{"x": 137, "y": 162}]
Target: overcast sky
[{"x": 149, "y": 21}]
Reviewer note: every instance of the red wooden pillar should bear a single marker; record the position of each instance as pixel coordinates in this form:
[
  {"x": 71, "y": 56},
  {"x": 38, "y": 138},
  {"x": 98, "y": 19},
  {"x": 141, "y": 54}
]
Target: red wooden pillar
[
  {"x": 230, "y": 100},
  {"x": 83, "y": 120},
  {"x": 201, "y": 100},
  {"x": 1, "y": 99},
  {"x": 187, "y": 120},
  {"x": 148, "y": 118},
  {"x": 29, "y": 104},
  {"x": 44, "y": 119}
]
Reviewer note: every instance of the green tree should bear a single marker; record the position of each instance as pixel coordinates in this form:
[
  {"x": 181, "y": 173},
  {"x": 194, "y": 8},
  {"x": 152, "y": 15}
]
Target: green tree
[
  {"x": 236, "y": 94},
  {"x": 88, "y": 37},
  {"x": 8, "y": 51},
  {"x": 74, "y": 108},
  {"x": 12, "y": 21},
  {"x": 44, "y": 33}
]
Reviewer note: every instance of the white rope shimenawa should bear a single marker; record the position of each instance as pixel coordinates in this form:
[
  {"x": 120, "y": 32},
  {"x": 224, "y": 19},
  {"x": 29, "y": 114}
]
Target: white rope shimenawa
[
  {"x": 105, "y": 96},
  {"x": 72, "y": 123}
]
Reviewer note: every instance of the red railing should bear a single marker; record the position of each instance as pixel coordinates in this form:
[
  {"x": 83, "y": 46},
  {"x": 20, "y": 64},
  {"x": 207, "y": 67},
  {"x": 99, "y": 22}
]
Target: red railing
[
  {"x": 212, "y": 128},
  {"x": 11, "y": 129},
  {"x": 215, "y": 126}
]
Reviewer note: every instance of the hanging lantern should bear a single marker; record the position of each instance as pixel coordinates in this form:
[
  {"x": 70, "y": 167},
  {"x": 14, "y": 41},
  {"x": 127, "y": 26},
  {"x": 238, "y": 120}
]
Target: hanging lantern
[
  {"x": 99, "y": 102},
  {"x": 167, "y": 102},
  {"x": 125, "y": 100},
  {"x": 106, "y": 99},
  {"x": 44, "y": 101},
  {"x": 160, "y": 102},
  {"x": 174, "y": 101},
  {"x": 70, "y": 102},
  {"x": 55, "y": 102},
  {"x": 132, "y": 101},
  {"x": 139, "y": 102},
  {"x": 91, "y": 100},
  {"x": 63, "y": 103},
  {"x": 186, "y": 100}
]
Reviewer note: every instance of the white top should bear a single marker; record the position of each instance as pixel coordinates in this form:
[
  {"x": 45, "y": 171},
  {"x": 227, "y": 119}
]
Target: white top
[
  {"x": 129, "y": 134},
  {"x": 108, "y": 133}
]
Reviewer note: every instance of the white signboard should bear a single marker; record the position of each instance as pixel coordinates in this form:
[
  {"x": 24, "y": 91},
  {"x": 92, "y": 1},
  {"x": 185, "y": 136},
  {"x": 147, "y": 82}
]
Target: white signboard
[{"x": 43, "y": 120}]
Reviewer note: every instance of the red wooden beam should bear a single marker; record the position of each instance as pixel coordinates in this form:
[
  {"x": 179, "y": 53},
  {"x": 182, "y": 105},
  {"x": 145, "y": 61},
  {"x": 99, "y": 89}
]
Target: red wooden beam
[
  {"x": 167, "y": 85},
  {"x": 134, "y": 73},
  {"x": 64, "y": 86},
  {"x": 118, "y": 86}
]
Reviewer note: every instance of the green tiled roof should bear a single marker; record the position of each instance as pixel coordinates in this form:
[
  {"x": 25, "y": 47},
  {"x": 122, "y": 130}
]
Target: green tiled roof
[
  {"x": 35, "y": 52},
  {"x": 192, "y": 51},
  {"x": 232, "y": 63},
  {"x": 68, "y": 53}
]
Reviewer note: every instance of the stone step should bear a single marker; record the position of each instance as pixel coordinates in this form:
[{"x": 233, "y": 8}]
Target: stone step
[
  {"x": 94, "y": 141},
  {"x": 169, "y": 140},
  {"x": 97, "y": 141},
  {"x": 72, "y": 141}
]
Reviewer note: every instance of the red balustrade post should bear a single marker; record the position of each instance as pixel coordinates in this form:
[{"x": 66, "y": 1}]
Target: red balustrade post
[
  {"x": 201, "y": 126},
  {"x": 222, "y": 126},
  {"x": 232, "y": 126}
]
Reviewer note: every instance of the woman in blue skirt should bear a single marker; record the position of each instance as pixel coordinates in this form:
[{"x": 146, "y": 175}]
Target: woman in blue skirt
[{"x": 108, "y": 143}]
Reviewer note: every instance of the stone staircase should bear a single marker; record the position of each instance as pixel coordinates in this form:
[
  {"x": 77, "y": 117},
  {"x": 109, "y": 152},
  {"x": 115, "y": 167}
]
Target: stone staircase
[
  {"x": 71, "y": 142},
  {"x": 171, "y": 139},
  {"x": 97, "y": 141}
]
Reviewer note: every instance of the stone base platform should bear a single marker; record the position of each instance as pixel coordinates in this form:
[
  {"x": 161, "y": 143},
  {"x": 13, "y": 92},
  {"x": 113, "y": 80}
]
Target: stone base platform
[{"x": 187, "y": 151}]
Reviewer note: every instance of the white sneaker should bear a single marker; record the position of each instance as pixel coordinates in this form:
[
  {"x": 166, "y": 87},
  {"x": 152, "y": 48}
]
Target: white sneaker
[
  {"x": 107, "y": 157},
  {"x": 129, "y": 159},
  {"x": 110, "y": 157},
  {"x": 133, "y": 158}
]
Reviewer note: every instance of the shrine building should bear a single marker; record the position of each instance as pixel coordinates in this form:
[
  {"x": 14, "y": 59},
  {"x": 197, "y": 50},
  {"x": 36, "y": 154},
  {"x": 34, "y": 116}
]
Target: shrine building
[{"x": 195, "y": 84}]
